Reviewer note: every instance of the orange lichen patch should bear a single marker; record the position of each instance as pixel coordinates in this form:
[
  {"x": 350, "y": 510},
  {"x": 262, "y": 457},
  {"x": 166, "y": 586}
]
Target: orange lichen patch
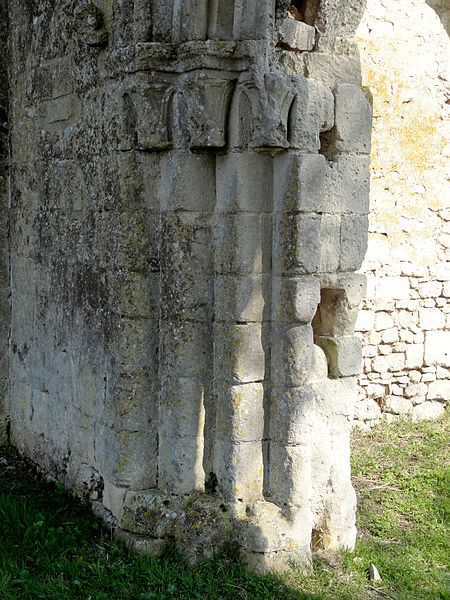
[
  {"x": 417, "y": 137},
  {"x": 405, "y": 131}
]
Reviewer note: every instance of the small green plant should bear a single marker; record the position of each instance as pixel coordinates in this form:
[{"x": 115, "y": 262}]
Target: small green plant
[{"x": 52, "y": 548}]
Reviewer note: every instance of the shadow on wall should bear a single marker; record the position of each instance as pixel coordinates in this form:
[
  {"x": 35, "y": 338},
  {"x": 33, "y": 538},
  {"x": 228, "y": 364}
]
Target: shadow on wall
[{"x": 442, "y": 9}]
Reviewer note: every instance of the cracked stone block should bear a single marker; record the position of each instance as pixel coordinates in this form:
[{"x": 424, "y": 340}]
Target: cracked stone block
[
  {"x": 353, "y": 110},
  {"x": 295, "y": 299},
  {"x": 343, "y": 355},
  {"x": 296, "y": 35}
]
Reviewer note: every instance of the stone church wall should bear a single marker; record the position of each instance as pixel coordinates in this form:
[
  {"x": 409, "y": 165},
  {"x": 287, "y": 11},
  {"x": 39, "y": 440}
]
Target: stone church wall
[
  {"x": 405, "y": 320},
  {"x": 4, "y": 229},
  {"x": 189, "y": 198}
]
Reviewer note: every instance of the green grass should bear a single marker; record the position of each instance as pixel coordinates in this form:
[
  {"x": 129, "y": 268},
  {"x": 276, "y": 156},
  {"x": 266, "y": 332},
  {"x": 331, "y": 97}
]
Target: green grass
[
  {"x": 402, "y": 476},
  {"x": 52, "y": 548}
]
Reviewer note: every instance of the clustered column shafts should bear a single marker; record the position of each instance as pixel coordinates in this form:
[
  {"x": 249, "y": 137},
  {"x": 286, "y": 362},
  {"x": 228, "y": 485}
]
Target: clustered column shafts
[
  {"x": 243, "y": 243},
  {"x": 194, "y": 370},
  {"x": 186, "y": 318}
]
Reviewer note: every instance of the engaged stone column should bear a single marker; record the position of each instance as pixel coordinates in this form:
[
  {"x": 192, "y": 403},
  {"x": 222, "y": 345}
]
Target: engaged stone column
[{"x": 190, "y": 212}]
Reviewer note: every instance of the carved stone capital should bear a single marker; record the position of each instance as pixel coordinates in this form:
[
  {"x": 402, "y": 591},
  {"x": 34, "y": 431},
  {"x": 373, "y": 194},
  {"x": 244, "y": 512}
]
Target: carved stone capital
[
  {"x": 207, "y": 100},
  {"x": 89, "y": 24}
]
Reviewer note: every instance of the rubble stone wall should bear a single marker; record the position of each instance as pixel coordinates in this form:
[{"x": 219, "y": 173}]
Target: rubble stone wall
[
  {"x": 189, "y": 199},
  {"x": 405, "y": 319}
]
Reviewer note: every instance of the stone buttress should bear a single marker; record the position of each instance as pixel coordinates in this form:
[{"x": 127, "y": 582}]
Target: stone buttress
[{"x": 189, "y": 198}]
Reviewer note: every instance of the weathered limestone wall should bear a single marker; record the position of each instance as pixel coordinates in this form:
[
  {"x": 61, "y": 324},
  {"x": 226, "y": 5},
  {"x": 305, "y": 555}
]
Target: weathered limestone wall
[
  {"x": 4, "y": 229},
  {"x": 189, "y": 207},
  {"x": 405, "y": 321}
]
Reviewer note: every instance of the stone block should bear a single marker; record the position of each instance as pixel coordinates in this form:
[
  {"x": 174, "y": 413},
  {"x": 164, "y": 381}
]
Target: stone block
[
  {"x": 336, "y": 397},
  {"x": 300, "y": 182},
  {"x": 142, "y": 544},
  {"x": 428, "y": 377},
  {"x": 392, "y": 362},
  {"x": 243, "y": 243},
  {"x": 411, "y": 391},
  {"x": 185, "y": 349},
  {"x": 430, "y": 289},
  {"x": 266, "y": 528},
  {"x": 238, "y": 353},
  {"x": 312, "y": 112},
  {"x": 348, "y": 184},
  {"x": 407, "y": 319},
  {"x": 441, "y": 373},
  {"x": 295, "y": 299},
  {"x": 297, "y": 246},
  {"x": 113, "y": 498},
  {"x": 392, "y": 288},
  {"x": 186, "y": 239},
  {"x": 181, "y": 408},
  {"x": 180, "y": 467},
  {"x": 292, "y": 353},
  {"x": 133, "y": 399},
  {"x": 383, "y": 321},
  {"x": 186, "y": 294},
  {"x": 437, "y": 348},
  {"x": 291, "y": 474},
  {"x": 415, "y": 376},
  {"x": 280, "y": 561},
  {"x": 369, "y": 351},
  {"x": 330, "y": 239},
  {"x": 398, "y": 405},
  {"x": 137, "y": 295},
  {"x": 126, "y": 458},
  {"x": 240, "y": 412},
  {"x": 428, "y": 411},
  {"x": 137, "y": 176},
  {"x": 319, "y": 367},
  {"x": 338, "y": 529},
  {"x": 239, "y": 469},
  {"x": 296, "y": 35},
  {"x": 205, "y": 527},
  {"x": 352, "y": 284},
  {"x": 440, "y": 271},
  {"x": 187, "y": 182},
  {"x": 344, "y": 355},
  {"x": 135, "y": 245},
  {"x": 390, "y": 336},
  {"x": 385, "y": 349},
  {"x": 150, "y": 512},
  {"x": 248, "y": 24},
  {"x": 353, "y": 242},
  {"x": 337, "y": 312},
  {"x": 333, "y": 68},
  {"x": 367, "y": 410},
  {"x": 431, "y": 318},
  {"x": 241, "y": 298},
  {"x": 292, "y": 415},
  {"x": 244, "y": 181},
  {"x": 439, "y": 390},
  {"x": 137, "y": 346},
  {"x": 376, "y": 390},
  {"x": 414, "y": 355},
  {"x": 353, "y": 118}
]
